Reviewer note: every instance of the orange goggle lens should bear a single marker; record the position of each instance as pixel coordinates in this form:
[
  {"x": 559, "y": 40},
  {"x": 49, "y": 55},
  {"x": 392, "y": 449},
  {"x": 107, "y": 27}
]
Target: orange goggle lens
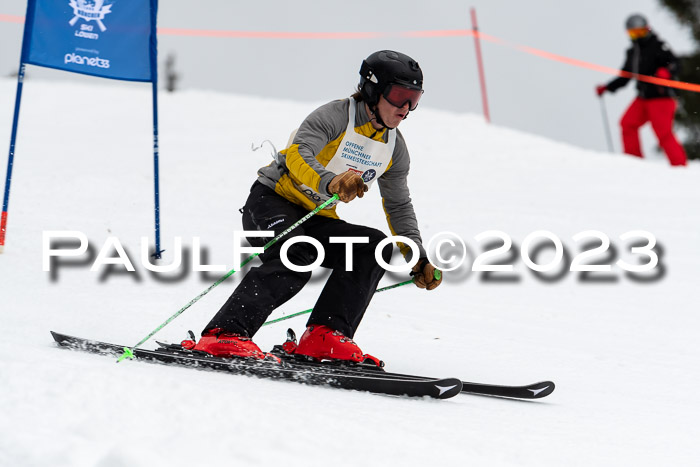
[{"x": 637, "y": 33}]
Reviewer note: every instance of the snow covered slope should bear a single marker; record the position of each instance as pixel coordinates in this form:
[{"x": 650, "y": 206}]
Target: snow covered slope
[{"x": 622, "y": 348}]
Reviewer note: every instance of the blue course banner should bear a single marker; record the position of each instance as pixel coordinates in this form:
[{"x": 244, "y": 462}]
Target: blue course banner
[{"x": 107, "y": 38}]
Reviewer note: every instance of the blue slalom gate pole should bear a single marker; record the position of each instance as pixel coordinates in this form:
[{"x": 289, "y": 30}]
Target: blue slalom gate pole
[
  {"x": 156, "y": 177},
  {"x": 153, "y": 53},
  {"x": 15, "y": 123},
  {"x": 11, "y": 157}
]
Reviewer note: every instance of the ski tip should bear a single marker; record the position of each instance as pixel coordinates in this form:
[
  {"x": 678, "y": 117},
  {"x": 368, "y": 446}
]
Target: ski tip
[
  {"x": 58, "y": 337},
  {"x": 446, "y": 388},
  {"x": 542, "y": 389}
]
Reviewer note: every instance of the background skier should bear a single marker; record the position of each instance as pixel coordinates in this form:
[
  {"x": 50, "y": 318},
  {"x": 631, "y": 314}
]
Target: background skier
[
  {"x": 342, "y": 147},
  {"x": 656, "y": 104}
]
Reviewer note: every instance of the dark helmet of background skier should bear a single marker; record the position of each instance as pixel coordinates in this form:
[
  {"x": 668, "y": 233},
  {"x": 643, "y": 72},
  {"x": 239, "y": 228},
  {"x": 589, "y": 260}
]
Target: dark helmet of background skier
[
  {"x": 394, "y": 75},
  {"x": 636, "y": 21},
  {"x": 637, "y": 26}
]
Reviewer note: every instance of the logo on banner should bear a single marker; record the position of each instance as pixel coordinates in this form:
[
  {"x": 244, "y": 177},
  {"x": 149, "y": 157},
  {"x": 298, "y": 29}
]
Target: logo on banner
[
  {"x": 90, "y": 10},
  {"x": 85, "y": 60},
  {"x": 369, "y": 175}
]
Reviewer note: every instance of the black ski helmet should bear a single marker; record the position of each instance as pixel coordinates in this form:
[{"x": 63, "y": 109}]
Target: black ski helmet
[
  {"x": 636, "y": 21},
  {"x": 385, "y": 67}
]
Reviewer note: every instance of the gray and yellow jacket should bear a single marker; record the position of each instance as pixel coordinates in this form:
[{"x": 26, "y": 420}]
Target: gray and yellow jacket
[{"x": 316, "y": 142}]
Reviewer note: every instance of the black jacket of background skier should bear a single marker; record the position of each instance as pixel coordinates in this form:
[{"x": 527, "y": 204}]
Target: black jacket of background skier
[{"x": 645, "y": 57}]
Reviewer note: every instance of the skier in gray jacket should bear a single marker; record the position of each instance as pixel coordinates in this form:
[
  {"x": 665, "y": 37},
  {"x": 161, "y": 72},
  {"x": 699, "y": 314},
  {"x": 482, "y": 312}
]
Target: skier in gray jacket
[{"x": 341, "y": 148}]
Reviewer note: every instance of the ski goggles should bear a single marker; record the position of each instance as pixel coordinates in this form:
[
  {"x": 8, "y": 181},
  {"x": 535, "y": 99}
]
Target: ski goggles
[
  {"x": 637, "y": 33},
  {"x": 397, "y": 95}
]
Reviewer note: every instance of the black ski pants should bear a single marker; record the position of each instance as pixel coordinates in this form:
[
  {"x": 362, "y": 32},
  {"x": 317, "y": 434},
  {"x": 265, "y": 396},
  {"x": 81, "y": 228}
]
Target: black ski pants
[{"x": 345, "y": 296}]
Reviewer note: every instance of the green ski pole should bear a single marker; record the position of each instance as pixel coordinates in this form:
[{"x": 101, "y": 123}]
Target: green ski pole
[
  {"x": 437, "y": 274},
  {"x": 128, "y": 352}
]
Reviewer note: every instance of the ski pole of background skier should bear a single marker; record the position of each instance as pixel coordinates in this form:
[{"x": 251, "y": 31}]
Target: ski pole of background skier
[
  {"x": 128, "y": 351},
  {"x": 604, "y": 112}
]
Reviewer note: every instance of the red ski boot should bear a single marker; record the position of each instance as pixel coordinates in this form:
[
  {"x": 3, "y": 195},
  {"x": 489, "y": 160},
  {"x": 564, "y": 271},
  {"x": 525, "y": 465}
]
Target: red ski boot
[
  {"x": 220, "y": 344},
  {"x": 323, "y": 343}
]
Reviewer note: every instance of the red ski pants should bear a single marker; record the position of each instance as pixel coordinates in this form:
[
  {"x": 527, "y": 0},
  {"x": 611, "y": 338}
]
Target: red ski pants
[{"x": 660, "y": 113}]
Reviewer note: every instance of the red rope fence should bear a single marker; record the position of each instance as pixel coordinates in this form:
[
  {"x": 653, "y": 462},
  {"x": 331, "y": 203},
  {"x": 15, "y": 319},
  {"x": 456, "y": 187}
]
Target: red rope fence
[{"x": 406, "y": 34}]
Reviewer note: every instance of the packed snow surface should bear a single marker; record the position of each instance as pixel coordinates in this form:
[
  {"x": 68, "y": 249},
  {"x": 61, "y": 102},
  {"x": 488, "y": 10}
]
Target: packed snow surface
[{"x": 622, "y": 347}]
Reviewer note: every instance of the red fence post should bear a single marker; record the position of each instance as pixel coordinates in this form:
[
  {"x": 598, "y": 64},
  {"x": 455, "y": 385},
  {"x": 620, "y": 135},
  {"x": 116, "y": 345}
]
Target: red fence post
[{"x": 480, "y": 64}]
